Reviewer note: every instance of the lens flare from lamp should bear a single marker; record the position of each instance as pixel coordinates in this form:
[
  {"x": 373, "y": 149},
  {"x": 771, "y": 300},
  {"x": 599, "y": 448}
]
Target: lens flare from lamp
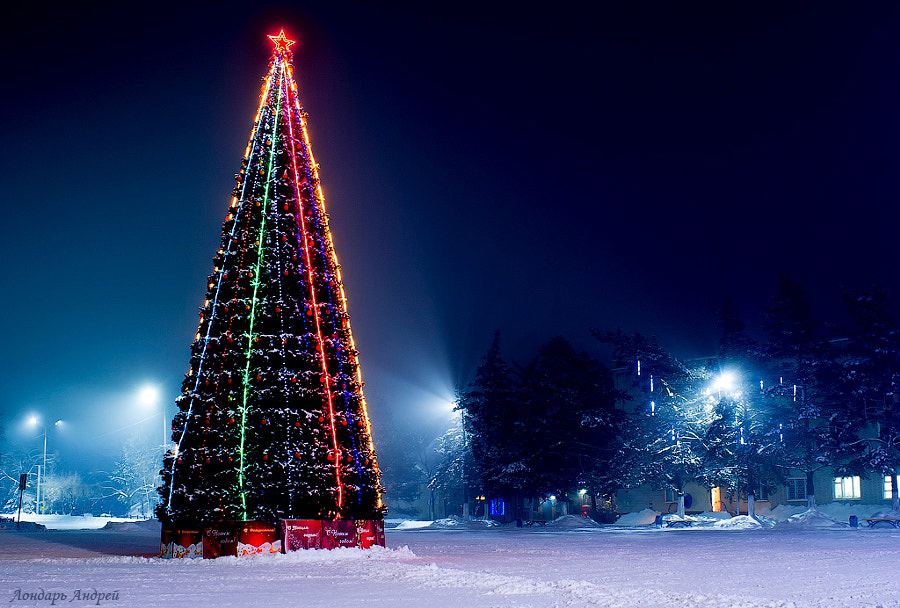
[{"x": 148, "y": 395}]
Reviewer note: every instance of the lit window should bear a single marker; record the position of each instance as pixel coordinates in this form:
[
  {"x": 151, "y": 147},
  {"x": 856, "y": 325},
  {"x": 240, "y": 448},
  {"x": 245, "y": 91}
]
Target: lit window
[
  {"x": 887, "y": 486},
  {"x": 796, "y": 488},
  {"x": 670, "y": 496},
  {"x": 846, "y": 487}
]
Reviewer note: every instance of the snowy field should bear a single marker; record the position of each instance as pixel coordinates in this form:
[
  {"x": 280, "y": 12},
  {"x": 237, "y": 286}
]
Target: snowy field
[{"x": 473, "y": 565}]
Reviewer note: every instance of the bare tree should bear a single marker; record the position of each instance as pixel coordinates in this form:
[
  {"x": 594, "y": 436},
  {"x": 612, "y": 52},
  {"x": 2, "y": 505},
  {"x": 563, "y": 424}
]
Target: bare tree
[
  {"x": 13, "y": 464},
  {"x": 134, "y": 479}
]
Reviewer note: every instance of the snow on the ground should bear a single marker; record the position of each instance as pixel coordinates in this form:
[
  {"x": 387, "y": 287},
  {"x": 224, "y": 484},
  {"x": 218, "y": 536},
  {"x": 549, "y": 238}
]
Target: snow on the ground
[
  {"x": 713, "y": 515},
  {"x": 454, "y": 522},
  {"x": 502, "y": 567},
  {"x": 812, "y": 518},
  {"x": 412, "y": 524},
  {"x": 67, "y": 522},
  {"x": 638, "y": 518},
  {"x": 838, "y": 511},
  {"x": 741, "y": 522},
  {"x": 572, "y": 522}
]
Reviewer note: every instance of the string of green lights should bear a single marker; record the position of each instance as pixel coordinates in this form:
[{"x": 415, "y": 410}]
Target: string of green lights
[
  {"x": 236, "y": 205},
  {"x": 256, "y": 281}
]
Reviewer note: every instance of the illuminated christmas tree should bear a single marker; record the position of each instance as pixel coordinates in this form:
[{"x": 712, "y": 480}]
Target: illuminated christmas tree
[{"x": 272, "y": 422}]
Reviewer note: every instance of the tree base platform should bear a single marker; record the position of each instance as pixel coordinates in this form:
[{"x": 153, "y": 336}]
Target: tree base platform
[{"x": 243, "y": 538}]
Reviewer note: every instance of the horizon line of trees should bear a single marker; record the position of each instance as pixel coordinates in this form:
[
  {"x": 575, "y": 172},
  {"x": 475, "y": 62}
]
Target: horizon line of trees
[{"x": 808, "y": 396}]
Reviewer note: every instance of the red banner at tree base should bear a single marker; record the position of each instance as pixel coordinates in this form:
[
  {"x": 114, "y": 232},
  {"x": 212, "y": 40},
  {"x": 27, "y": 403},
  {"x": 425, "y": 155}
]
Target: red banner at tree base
[
  {"x": 300, "y": 534},
  {"x": 237, "y": 538},
  {"x": 180, "y": 543}
]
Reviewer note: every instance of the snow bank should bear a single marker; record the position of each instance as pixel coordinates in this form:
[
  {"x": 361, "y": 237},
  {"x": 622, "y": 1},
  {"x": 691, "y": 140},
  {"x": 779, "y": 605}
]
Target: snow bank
[
  {"x": 714, "y": 515},
  {"x": 638, "y": 518},
  {"x": 572, "y": 522},
  {"x": 811, "y": 518},
  {"x": 148, "y": 525},
  {"x": 456, "y": 522},
  {"x": 742, "y": 522},
  {"x": 838, "y": 511},
  {"x": 411, "y": 524},
  {"x": 23, "y": 526}
]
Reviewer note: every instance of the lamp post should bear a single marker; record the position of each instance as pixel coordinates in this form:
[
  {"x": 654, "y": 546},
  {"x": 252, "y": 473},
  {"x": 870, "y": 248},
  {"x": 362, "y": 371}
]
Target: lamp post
[{"x": 42, "y": 471}]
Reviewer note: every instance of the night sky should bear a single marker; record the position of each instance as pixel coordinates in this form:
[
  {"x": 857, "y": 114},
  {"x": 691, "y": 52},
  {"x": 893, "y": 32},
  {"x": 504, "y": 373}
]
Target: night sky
[{"x": 539, "y": 171}]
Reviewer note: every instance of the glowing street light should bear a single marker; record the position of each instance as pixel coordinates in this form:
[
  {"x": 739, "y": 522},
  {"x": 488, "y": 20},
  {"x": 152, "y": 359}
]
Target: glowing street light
[
  {"x": 726, "y": 382},
  {"x": 148, "y": 396}
]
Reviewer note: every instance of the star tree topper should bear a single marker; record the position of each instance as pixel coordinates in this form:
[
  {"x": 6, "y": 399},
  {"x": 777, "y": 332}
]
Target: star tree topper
[{"x": 282, "y": 43}]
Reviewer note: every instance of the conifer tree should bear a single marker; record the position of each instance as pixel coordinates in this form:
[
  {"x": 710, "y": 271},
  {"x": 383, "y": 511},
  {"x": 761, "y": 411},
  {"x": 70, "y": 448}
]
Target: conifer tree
[
  {"x": 489, "y": 417},
  {"x": 807, "y": 440},
  {"x": 739, "y": 439},
  {"x": 871, "y": 376},
  {"x": 667, "y": 421},
  {"x": 569, "y": 419},
  {"x": 272, "y": 422}
]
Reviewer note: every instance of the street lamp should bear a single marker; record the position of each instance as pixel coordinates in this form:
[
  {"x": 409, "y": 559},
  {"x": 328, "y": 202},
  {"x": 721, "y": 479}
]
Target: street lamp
[
  {"x": 42, "y": 472},
  {"x": 728, "y": 383}
]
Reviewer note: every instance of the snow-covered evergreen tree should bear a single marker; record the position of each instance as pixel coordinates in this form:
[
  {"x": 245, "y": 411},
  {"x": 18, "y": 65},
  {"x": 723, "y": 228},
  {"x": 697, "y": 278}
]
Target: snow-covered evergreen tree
[
  {"x": 809, "y": 427},
  {"x": 739, "y": 442},
  {"x": 489, "y": 410},
  {"x": 569, "y": 421},
  {"x": 668, "y": 419},
  {"x": 272, "y": 422},
  {"x": 871, "y": 376}
]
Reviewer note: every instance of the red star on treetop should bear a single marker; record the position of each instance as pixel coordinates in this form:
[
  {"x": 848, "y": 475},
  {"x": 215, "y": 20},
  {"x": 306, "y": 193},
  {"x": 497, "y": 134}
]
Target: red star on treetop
[{"x": 282, "y": 43}]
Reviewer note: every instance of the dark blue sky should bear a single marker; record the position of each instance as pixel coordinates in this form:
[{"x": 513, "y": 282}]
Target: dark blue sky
[{"x": 537, "y": 171}]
